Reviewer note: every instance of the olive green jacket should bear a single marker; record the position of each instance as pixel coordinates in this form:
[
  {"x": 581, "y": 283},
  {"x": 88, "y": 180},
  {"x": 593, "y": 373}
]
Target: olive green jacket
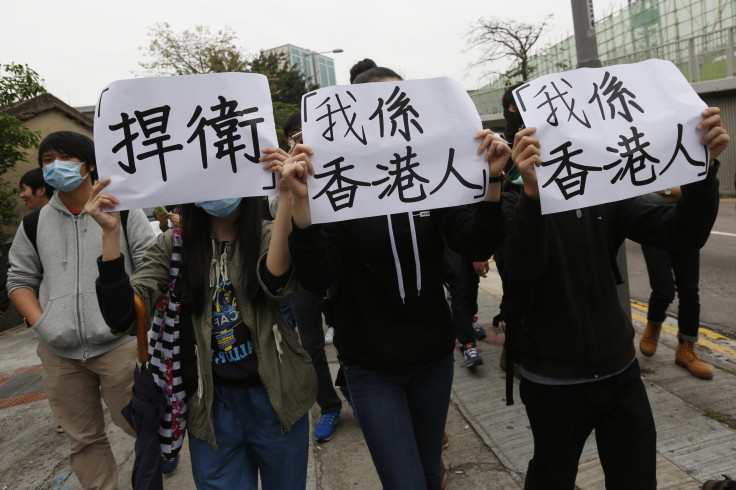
[{"x": 284, "y": 366}]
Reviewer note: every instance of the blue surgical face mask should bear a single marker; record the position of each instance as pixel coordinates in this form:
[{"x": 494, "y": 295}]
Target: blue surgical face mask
[
  {"x": 221, "y": 208},
  {"x": 63, "y": 175}
]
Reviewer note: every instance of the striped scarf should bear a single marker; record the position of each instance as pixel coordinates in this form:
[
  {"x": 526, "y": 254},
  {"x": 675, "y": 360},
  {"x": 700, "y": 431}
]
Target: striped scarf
[{"x": 165, "y": 352}]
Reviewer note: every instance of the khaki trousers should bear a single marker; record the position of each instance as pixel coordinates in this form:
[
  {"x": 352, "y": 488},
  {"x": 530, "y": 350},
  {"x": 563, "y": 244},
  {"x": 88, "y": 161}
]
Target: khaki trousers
[{"x": 75, "y": 390}]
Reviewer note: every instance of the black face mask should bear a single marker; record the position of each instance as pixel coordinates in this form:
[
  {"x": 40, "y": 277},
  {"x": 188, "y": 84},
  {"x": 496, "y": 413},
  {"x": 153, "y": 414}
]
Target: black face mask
[
  {"x": 514, "y": 123},
  {"x": 513, "y": 120}
]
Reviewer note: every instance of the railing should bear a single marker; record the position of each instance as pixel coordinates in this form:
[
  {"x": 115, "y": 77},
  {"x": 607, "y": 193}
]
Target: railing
[{"x": 700, "y": 58}]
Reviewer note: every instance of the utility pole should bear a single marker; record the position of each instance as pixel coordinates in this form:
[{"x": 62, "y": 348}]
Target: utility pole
[{"x": 586, "y": 47}]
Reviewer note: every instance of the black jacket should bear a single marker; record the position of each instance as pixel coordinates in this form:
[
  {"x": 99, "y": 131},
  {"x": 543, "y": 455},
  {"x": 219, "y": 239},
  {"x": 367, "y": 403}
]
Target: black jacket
[
  {"x": 562, "y": 267},
  {"x": 384, "y": 321}
]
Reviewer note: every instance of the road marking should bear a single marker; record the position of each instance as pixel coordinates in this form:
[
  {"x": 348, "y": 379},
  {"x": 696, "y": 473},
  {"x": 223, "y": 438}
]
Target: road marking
[
  {"x": 722, "y": 233},
  {"x": 706, "y": 336}
]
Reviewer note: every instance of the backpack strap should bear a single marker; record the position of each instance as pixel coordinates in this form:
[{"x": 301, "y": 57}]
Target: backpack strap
[
  {"x": 124, "y": 223},
  {"x": 30, "y": 226}
]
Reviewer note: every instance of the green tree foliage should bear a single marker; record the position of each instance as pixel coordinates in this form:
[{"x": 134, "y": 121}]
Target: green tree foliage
[
  {"x": 506, "y": 40},
  {"x": 287, "y": 84},
  {"x": 17, "y": 83},
  {"x": 189, "y": 52},
  {"x": 281, "y": 112}
]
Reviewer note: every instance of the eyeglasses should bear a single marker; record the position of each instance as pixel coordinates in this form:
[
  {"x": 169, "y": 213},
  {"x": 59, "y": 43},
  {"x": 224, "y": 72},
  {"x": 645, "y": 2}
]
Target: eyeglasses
[{"x": 293, "y": 138}]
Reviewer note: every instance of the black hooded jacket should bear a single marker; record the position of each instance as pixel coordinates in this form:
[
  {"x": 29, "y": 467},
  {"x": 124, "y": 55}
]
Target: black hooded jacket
[
  {"x": 389, "y": 312},
  {"x": 561, "y": 266}
]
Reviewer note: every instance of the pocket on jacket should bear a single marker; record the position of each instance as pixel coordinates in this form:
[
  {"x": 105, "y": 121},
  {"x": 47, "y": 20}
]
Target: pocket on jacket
[
  {"x": 56, "y": 326},
  {"x": 96, "y": 330}
]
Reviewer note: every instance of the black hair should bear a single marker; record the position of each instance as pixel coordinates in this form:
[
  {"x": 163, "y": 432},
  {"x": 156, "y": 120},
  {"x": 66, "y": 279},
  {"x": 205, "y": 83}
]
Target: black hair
[
  {"x": 508, "y": 96},
  {"x": 292, "y": 122},
  {"x": 34, "y": 180},
  {"x": 360, "y": 67},
  {"x": 73, "y": 144},
  {"x": 375, "y": 74},
  {"x": 197, "y": 251}
]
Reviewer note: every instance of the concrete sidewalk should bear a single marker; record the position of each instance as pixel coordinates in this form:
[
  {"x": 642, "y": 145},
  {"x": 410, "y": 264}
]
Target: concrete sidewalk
[{"x": 489, "y": 443}]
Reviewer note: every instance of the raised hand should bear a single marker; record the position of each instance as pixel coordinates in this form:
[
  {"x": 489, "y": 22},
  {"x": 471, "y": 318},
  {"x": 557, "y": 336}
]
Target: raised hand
[
  {"x": 527, "y": 157},
  {"x": 99, "y": 207}
]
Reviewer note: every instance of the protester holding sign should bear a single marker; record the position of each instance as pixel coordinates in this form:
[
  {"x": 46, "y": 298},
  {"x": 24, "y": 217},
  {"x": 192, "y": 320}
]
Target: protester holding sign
[
  {"x": 579, "y": 367},
  {"x": 394, "y": 331},
  {"x": 253, "y": 381},
  {"x": 51, "y": 283}
]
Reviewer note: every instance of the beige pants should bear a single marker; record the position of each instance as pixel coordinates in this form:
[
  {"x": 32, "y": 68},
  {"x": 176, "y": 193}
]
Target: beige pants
[{"x": 75, "y": 390}]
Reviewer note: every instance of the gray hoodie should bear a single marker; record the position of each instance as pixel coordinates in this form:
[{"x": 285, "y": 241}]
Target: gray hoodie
[{"x": 63, "y": 274}]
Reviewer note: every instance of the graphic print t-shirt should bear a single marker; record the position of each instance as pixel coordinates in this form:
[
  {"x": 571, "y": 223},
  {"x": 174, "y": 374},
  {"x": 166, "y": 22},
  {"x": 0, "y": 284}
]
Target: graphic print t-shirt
[{"x": 233, "y": 359}]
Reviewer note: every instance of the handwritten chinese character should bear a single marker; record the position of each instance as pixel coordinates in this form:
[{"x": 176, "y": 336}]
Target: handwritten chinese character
[
  {"x": 151, "y": 121},
  {"x": 328, "y": 133},
  {"x": 226, "y": 125},
  {"x": 572, "y": 183},
  {"x": 400, "y": 105},
  {"x": 615, "y": 93},
  {"x": 553, "y": 108},
  {"x": 452, "y": 170},
  {"x": 636, "y": 158},
  {"x": 344, "y": 195},
  {"x": 680, "y": 148},
  {"x": 403, "y": 177}
]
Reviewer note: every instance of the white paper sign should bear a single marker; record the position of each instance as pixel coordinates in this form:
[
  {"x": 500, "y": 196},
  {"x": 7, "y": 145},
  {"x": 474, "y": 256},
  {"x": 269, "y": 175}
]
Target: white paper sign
[
  {"x": 392, "y": 147},
  {"x": 611, "y": 133},
  {"x": 173, "y": 140}
]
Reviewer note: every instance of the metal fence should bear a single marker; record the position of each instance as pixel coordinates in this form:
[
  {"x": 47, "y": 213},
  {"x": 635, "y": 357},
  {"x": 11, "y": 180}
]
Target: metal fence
[{"x": 700, "y": 58}]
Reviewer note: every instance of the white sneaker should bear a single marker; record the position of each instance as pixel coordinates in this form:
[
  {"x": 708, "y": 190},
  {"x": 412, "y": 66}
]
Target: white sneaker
[{"x": 329, "y": 336}]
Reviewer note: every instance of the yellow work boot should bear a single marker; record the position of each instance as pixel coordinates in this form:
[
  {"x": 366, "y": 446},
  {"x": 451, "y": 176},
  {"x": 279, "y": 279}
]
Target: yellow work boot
[
  {"x": 650, "y": 338},
  {"x": 685, "y": 357}
]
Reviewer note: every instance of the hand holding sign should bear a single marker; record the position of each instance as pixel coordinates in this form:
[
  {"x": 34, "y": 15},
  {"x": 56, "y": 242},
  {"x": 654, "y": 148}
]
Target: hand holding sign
[
  {"x": 497, "y": 151},
  {"x": 296, "y": 171},
  {"x": 716, "y": 138},
  {"x": 527, "y": 157}
]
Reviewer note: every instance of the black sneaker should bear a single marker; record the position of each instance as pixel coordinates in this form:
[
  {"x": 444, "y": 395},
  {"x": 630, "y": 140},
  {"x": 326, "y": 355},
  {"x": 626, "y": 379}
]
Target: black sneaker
[
  {"x": 478, "y": 332},
  {"x": 472, "y": 358}
]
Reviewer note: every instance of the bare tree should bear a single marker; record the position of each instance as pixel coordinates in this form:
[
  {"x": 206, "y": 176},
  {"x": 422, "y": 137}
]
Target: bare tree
[{"x": 506, "y": 40}]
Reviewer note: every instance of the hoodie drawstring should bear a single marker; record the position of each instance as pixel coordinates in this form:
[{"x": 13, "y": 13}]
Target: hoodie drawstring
[
  {"x": 416, "y": 252},
  {"x": 399, "y": 275},
  {"x": 397, "y": 262}
]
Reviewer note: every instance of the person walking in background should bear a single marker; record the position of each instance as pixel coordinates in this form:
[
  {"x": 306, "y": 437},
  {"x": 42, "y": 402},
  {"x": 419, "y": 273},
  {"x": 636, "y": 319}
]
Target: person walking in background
[
  {"x": 673, "y": 270},
  {"x": 34, "y": 190},
  {"x": 51, "y": 283}
]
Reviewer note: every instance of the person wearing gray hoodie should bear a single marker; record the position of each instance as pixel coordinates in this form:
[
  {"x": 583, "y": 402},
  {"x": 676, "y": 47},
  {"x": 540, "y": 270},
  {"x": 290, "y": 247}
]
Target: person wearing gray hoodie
[{"x": 51, "y": 281}]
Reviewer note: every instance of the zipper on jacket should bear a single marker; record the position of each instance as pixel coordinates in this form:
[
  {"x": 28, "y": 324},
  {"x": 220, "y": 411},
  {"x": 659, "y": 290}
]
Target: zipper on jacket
[
  {"x": 589, "y": 287},
  {"x": 80, "y": 323}
]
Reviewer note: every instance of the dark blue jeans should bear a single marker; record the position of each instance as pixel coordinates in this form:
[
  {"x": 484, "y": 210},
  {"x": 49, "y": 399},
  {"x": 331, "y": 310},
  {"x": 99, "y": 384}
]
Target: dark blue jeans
[
  {"x": 562, "y": 418},
  {"x": 685, "y": 264},
  {"x": 402, "y": 415},
  {"x": 307, "y": 308},
  {"x": 249, "y": 439}
]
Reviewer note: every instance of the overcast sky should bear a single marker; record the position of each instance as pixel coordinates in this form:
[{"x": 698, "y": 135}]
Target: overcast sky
[{"x": 79, "y": 46}]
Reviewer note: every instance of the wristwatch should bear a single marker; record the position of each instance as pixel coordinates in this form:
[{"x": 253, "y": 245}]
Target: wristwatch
[
  {"x": 667, "y": 191},
  {"x": 497, "y": 178}
]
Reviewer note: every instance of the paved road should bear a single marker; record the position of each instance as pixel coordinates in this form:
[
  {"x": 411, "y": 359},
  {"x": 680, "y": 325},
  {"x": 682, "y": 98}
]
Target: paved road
[{"x": 717, "y": 274}]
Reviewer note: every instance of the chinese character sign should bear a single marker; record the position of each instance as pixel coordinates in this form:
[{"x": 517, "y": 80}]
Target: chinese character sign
[
  {"x": 170, "y": 140},
  {"x": 612, "y": 133},
  {"x": 390, "y": 147}
]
